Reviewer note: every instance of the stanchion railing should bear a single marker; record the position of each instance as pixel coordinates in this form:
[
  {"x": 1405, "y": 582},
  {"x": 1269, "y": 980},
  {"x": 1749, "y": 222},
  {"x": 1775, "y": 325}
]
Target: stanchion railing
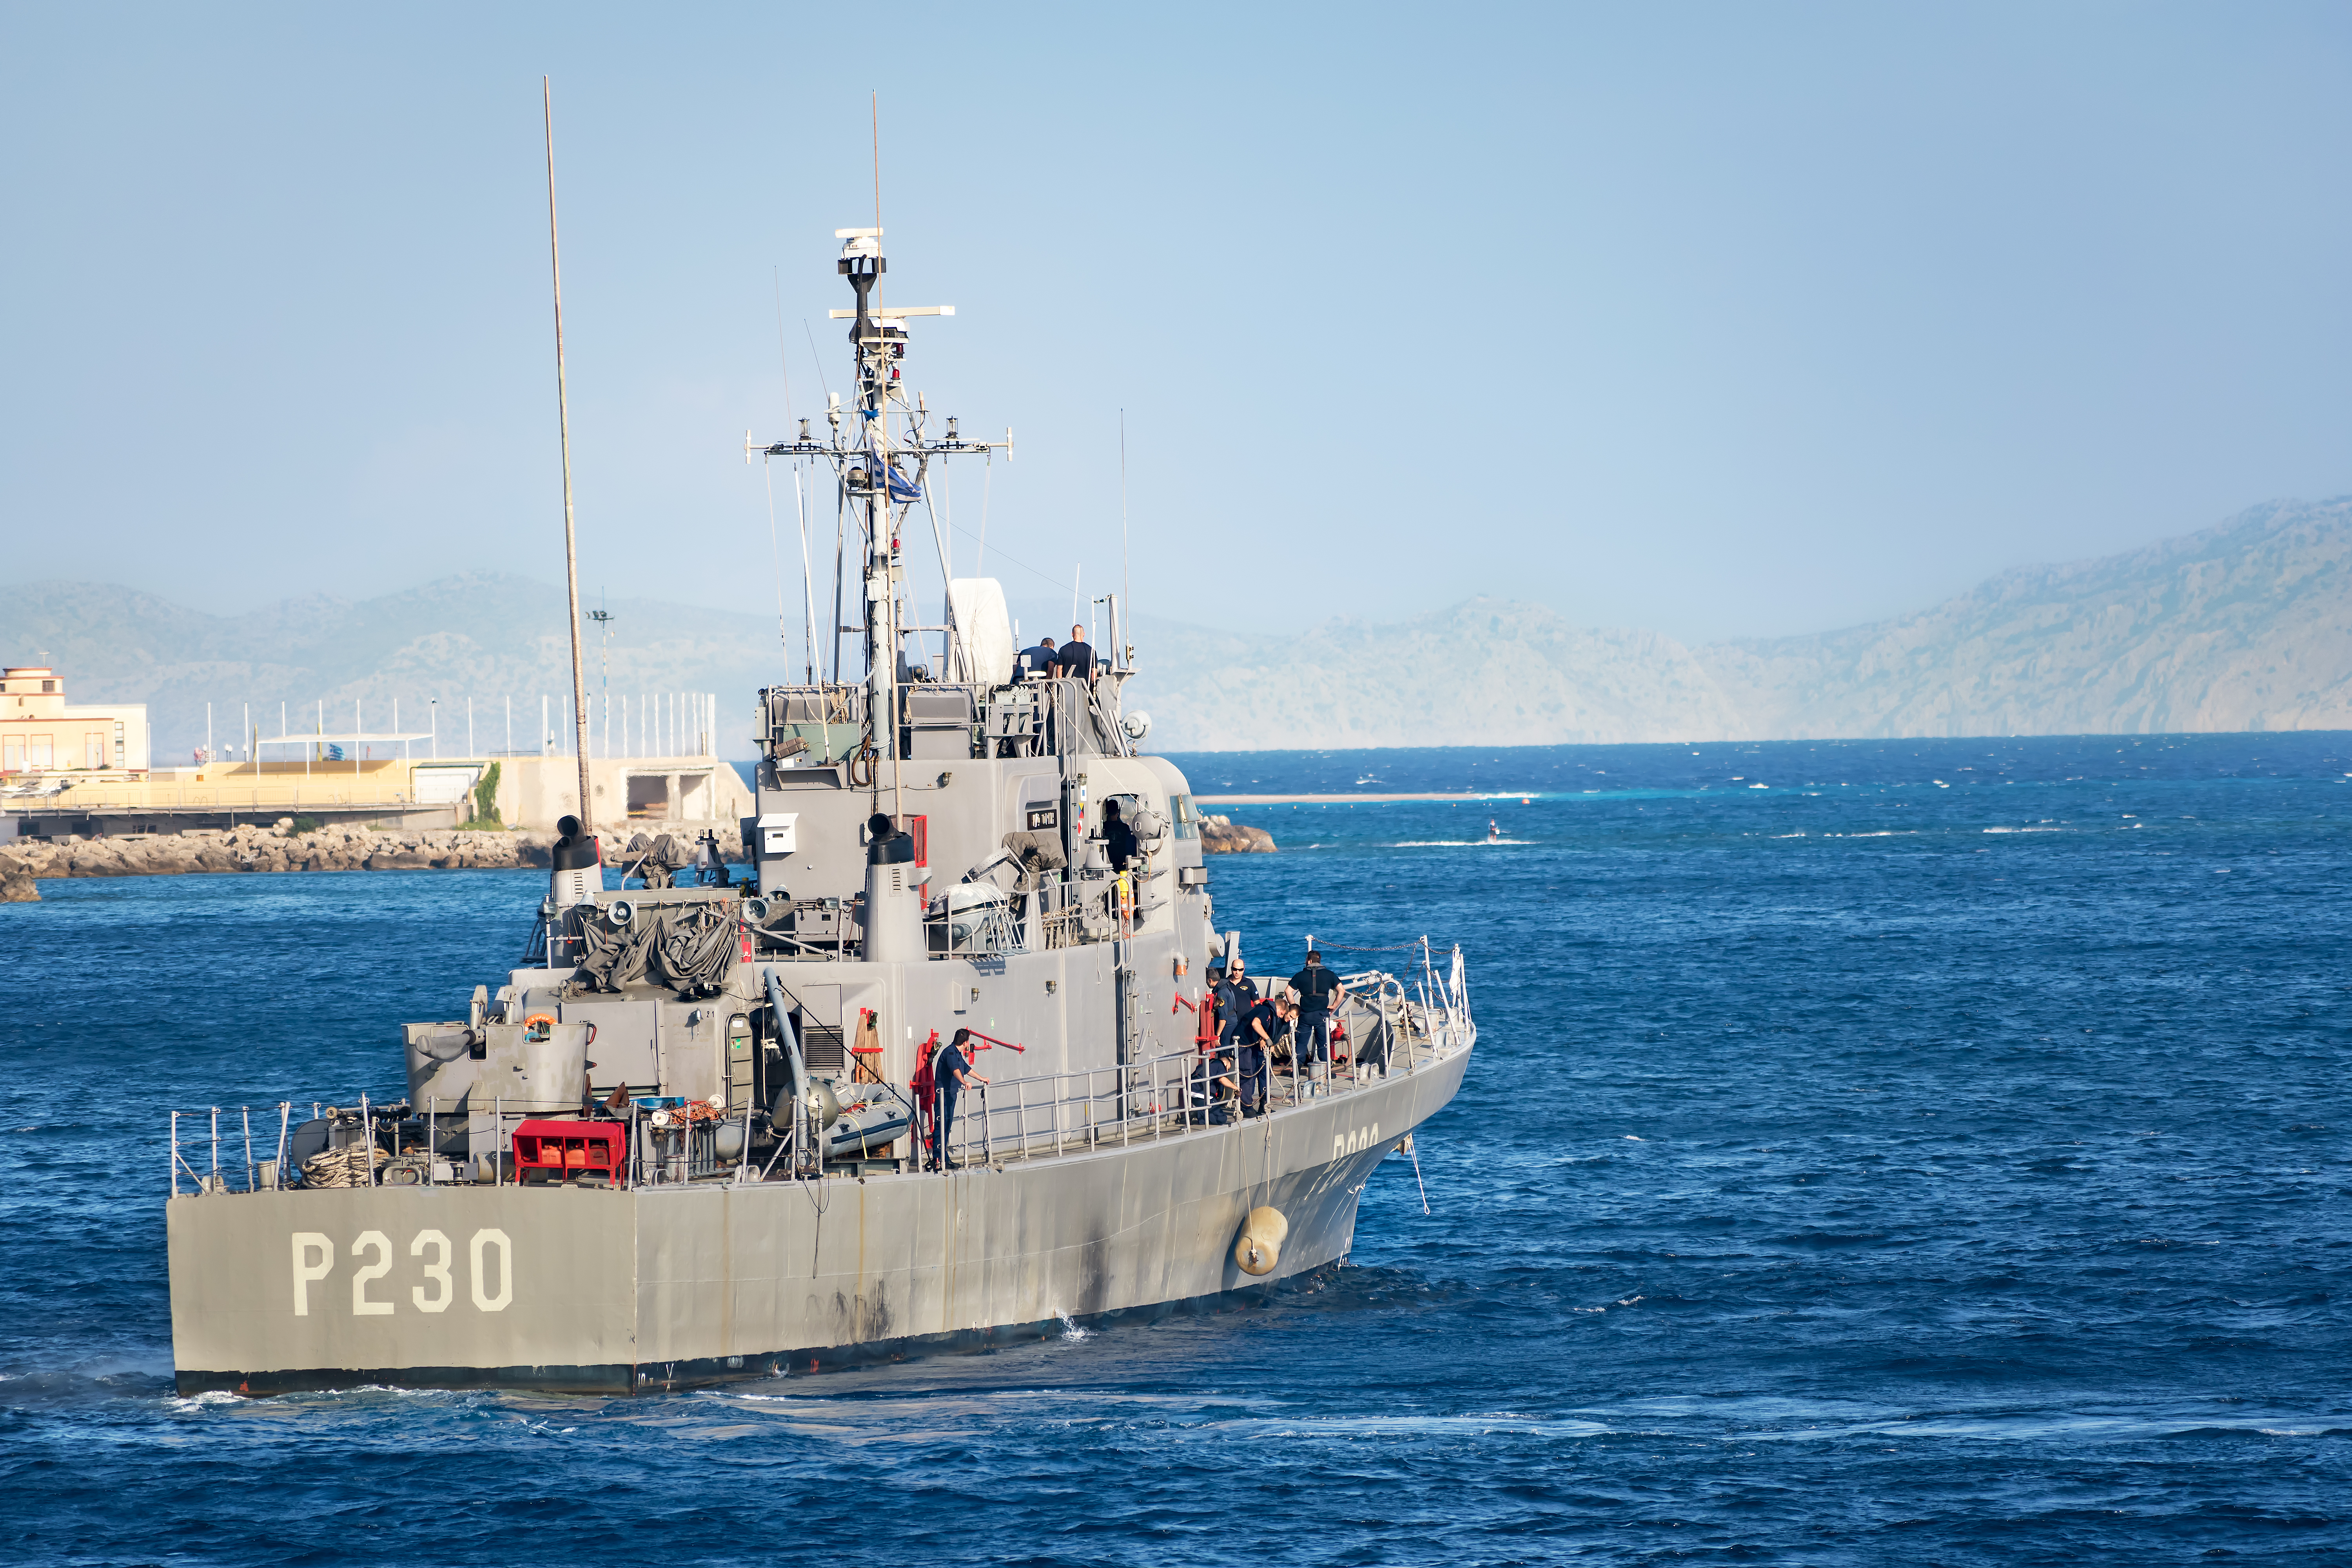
[
  {"x": 1166, "y": 1095},
  {"x": 1032, "y": 1117}
]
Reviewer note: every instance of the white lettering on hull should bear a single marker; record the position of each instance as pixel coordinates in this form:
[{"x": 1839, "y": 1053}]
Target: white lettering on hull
[
  {"x": 374, "y": 1241},
  {"x": 437, "y": 1271},
  {"x": 305, "y": 1271},
  {"x": 483, "y": 1299},
  {"x": 313, "y": 1254},
  {"x": 1362, "y": 1138}
]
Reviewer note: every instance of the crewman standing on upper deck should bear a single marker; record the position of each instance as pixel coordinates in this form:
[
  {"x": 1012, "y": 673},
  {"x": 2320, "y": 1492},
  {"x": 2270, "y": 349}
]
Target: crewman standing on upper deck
[
  {"x": 1320, "y": 990},
  {"x": 1236, "y": 993},
  {"x": 1118, "y": 839},
  {"x": 1076, "y": 660},
  {"x": 952, "y": 1074}
]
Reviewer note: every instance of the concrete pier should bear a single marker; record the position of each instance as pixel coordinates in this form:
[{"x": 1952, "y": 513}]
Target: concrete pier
[{"x": 532, "y": 794}]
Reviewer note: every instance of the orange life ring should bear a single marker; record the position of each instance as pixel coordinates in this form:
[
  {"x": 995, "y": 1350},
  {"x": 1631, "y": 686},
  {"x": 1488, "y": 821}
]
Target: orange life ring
[{"x": 536, "y": 1019}]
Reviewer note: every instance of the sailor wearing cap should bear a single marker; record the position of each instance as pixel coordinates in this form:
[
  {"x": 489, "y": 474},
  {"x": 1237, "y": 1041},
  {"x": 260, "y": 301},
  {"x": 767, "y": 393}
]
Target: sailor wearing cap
[{"x": 1236, "y": 994}]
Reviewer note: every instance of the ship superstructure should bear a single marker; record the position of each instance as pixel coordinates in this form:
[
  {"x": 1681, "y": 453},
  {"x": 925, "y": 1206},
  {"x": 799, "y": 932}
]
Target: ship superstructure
[{"x": 695, "y": 1132}]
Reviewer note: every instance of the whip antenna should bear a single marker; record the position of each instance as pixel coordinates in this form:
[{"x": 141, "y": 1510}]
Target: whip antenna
[
  {"x": 1125, "y": 577},
  {"x": 563, "y": 436}
]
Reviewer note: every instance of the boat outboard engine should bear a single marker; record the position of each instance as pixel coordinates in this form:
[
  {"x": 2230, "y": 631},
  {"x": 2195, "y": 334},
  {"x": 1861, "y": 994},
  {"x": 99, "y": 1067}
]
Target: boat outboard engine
[
  {"x": 893, "y": 898},
  {"x": 579, "y": 873}
]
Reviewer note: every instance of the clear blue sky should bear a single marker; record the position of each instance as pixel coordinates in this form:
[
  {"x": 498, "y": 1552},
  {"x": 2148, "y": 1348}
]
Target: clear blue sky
[{"x": 1720, "y": 320}]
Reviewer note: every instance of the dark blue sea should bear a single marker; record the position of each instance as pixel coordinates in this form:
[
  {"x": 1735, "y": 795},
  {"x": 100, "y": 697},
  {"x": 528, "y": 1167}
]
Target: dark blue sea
[{"x": 1875, "y": 1152}]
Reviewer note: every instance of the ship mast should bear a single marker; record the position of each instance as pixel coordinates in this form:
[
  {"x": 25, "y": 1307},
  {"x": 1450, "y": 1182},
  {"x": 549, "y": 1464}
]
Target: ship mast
[
  {"x": 880, "y": 469},
  {"x": 862, "y": 263}
]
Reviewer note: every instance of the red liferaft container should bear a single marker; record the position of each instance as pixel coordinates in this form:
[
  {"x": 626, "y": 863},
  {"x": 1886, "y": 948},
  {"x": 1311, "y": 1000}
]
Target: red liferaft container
[{"x": 570, "y": 1149}]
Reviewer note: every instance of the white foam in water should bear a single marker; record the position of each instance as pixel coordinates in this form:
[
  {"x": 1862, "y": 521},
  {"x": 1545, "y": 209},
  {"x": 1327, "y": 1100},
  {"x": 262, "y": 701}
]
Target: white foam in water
[
  {"x": 1070, "y": 1329},
  {"x": 210, "y": 1396}
]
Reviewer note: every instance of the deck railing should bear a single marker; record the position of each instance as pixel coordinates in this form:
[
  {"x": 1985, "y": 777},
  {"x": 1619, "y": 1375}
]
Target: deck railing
[
  {"x": 1032, "y": 1117},
  {"x": 1165, "y": 1096}
]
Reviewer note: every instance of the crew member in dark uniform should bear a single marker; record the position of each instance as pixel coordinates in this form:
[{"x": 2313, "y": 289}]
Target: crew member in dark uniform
[
  {"x": 1076, "y": 660},
  {"x": 1213, "y": 1089},
  {"x": 1036, "y": 663},
  {"x": 1236, "y": 994},
  {"x": 1266, "y": 1022},
  {"x": 1118, "y": 839},
  {"x": 1320, "y": 990},
  {"x": 951, "y": 1075}
]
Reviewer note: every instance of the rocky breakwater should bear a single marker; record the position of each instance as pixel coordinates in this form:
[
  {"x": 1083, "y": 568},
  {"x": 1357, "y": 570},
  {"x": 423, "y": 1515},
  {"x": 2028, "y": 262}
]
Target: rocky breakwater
[
  {"x": 1219, "y": 836},
  {"x": 283, "y": 848}
]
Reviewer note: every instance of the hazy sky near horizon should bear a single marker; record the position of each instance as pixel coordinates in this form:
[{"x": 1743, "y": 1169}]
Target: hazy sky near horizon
[{"x": 1719, "y": 319}]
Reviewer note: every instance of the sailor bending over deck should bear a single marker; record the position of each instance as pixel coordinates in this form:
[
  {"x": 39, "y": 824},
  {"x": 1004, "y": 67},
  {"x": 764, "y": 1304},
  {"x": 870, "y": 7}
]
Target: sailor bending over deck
[
  {"x": 1266, "y": 1022},
  {"x": 1213, "y": 1089},
  {"x": 1036, "y": 662}
]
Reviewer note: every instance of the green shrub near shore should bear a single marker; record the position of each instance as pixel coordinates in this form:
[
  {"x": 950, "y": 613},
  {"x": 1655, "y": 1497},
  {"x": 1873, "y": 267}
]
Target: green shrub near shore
[{"x": 485, "y": 803}]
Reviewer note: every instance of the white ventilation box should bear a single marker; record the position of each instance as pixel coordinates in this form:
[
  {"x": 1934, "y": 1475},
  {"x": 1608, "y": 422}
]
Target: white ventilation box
[{"x": 778, "y": 831}]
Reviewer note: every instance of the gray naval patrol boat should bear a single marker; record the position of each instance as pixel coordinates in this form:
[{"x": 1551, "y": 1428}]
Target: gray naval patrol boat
[{"x": 693, "y": 1134}]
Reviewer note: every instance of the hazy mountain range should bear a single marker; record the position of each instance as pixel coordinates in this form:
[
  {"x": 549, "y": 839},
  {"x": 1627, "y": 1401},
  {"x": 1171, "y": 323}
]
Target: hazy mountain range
[
  {"x": 487, "y": 638},
  {"x": 2247, "y": 625}
]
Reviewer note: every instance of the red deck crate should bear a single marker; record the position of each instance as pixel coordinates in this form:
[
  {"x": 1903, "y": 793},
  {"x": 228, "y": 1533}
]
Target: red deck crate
[{"x": 571, "y": 1149}]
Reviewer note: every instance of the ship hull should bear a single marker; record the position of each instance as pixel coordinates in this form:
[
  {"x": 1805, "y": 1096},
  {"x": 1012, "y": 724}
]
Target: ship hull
[{"x": 650, "y": 1289}]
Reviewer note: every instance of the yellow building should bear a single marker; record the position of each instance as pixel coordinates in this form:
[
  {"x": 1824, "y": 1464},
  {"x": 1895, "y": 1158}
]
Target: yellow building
[{"x": 40, "y": 733}]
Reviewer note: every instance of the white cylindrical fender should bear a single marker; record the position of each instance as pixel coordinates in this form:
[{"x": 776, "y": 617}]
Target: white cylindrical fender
[{"x": 1259, "y": 1246}]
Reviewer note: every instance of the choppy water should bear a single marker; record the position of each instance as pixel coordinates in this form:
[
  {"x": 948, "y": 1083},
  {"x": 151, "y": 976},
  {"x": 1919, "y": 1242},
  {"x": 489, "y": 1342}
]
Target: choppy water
[{"x": 1859, "y": 1169}]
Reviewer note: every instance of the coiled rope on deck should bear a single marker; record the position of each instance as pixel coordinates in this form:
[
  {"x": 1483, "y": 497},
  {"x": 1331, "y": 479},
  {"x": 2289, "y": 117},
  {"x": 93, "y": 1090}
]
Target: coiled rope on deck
[{"x": 346, "y": 1167}]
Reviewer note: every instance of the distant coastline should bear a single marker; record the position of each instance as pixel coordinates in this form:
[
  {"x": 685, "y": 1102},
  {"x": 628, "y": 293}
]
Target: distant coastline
[{"x": 2242, "y": 628}]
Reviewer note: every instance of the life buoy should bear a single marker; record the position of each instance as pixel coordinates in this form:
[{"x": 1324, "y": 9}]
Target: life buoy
[{"x": 539, "y": 1025}]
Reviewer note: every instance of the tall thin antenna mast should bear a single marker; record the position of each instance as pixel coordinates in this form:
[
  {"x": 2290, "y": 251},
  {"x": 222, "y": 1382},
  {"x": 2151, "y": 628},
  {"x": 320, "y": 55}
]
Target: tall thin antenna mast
[
  {"x": 775, "y": 550},
  {"x": 808, "y": 579},
  {"x": 800, "y": 500},
  {"x": 776, "y": 276},
  {"x": 1126, "y": 579},
  {"x": 767, "y": 467},
  {"x": 564, "y": 433},
  {"x": 979, "y": 567}
]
